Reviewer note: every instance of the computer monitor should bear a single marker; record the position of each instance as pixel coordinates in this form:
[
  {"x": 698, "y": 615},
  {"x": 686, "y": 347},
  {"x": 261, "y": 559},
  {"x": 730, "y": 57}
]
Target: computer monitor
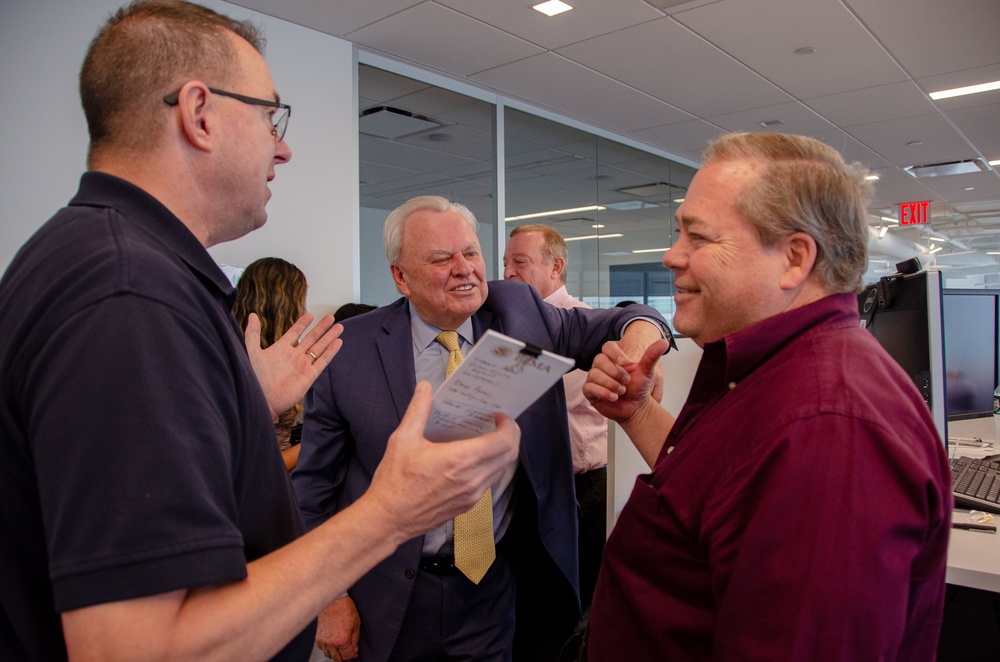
[
  {"x": 971, "y": 352},
  {"x": 904, "y": 313}
]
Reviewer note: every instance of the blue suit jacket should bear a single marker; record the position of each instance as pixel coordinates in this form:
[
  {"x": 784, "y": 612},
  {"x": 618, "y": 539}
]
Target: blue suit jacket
[{"x": 361, "y": 397}]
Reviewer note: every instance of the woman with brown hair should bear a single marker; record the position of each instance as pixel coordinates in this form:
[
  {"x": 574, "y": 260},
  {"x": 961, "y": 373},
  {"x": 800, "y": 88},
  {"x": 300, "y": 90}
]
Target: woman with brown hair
[{"x": 276, "y": 291}]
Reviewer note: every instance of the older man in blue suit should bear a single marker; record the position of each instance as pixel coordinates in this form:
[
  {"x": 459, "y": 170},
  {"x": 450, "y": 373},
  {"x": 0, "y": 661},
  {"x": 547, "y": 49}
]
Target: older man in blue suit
[{"x": 416, "y": 605}]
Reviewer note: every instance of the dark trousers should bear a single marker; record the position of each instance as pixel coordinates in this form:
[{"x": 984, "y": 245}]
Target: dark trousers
[
  {"x": 592, "y": 499},
  {"x": 450, "y": 618}
]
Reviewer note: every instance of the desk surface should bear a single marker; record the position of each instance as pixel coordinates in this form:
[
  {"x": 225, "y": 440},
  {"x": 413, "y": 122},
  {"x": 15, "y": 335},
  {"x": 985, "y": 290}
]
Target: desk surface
[{"x": 973, "y": 556}]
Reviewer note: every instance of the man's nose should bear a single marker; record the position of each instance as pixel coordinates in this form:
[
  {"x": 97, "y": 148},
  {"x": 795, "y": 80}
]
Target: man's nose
[{"x": 461, "y": 266}]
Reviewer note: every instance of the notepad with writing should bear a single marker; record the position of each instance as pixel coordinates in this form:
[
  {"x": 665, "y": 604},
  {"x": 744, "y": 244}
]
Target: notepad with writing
[{"x": 499, "y": 374}]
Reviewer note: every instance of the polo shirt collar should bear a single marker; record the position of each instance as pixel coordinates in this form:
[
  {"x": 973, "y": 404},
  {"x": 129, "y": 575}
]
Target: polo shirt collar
[{"x": 147, "y": 214}]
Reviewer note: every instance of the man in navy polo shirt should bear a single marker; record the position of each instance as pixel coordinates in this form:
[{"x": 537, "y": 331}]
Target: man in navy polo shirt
[{"x": 145, "y": 509}]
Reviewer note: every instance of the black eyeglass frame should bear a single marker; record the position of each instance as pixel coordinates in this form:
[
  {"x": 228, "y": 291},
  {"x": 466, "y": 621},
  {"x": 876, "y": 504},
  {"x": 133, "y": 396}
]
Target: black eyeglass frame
[{"x": 280, "y": 125}]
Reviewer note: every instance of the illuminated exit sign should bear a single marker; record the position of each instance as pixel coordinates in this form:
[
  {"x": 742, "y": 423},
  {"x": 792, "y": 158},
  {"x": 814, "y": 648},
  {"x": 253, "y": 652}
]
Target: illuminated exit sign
[{"x": 914, "y": 213}]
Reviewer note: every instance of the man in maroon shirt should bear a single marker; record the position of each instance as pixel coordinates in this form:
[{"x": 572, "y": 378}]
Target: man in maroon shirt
[{"x": 793, "y": 511}]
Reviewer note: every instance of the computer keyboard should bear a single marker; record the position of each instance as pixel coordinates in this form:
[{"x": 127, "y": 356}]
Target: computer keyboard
[{"x": 975, "y": 484}]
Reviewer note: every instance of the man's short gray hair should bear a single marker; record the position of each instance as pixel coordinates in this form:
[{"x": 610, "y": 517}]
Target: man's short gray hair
[
  {"x": 807, "y": 187},
  {"x": 392, "y": 233}
]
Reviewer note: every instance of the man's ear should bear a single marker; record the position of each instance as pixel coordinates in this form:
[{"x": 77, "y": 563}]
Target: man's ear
[
  {"x": 194, "y": 116},
  {"x": 400, "y": 279},
  {"x": 800, "y": 252},
  {"x": 558, "y": 266}
]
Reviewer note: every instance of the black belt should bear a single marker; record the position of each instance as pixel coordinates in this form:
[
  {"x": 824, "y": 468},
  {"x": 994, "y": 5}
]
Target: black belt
[
  {"x": 442, "y": 564},
  {"x": 588, "y": 478}
]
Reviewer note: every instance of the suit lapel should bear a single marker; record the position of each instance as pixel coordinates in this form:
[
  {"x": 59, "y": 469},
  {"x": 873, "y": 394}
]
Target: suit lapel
[
  {"x": 395, "y": 349},
  {"x": 483, "y": 320}
]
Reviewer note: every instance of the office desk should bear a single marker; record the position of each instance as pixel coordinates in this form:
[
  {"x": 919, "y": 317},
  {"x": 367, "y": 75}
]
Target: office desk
[{"x": 973, "y": 556}]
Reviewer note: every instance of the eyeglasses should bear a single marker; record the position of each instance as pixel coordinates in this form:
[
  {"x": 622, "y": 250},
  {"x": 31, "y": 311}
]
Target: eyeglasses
[{"x": 280, "y": 124}]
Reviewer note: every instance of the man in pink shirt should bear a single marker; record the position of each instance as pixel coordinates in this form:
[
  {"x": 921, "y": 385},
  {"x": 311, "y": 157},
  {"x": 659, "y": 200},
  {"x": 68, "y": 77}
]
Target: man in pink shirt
[{"x": 536, "y": 254}]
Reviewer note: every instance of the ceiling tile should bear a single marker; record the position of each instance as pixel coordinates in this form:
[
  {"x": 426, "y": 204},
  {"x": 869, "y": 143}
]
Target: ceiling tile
[
  {"x": 556, "y": 82},
  {"x": 979, "y": 125},
  {"x": 873, "y": 104},
  {"x": 888, "y": 194},
  {"x": 963, "y": 78},
  {"x": 985, "y": 186},
  {"x": 782, "y": 26},
  {"x": 655, "y": 57},
  {"x": 690, "y": 138},
  {"x": 462, "y": 45},
  {"x": 850, "y": 148},
  {"x": 784, "y": 118},
  {"x": 348, "y": 16},
  {"x": 587, "y": 19},
  {"x": 931, "y": 37},
  {"x": 891, "y": 139}
]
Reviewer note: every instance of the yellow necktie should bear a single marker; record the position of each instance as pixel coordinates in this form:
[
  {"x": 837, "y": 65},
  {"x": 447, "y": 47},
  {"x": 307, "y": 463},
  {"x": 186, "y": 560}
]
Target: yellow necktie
[{"x": 474, "y": 548}]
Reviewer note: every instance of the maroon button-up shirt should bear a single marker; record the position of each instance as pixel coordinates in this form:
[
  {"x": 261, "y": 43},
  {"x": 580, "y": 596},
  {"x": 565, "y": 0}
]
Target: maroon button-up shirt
[{"x": 799, "y": 510}]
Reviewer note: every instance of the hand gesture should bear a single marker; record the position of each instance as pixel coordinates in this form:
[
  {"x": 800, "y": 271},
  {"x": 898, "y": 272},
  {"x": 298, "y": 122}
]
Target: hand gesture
[
  {"x": 618, "y": 386},
  {"x": 421, "y": 484},
  {"x": 288, "y": 368}
]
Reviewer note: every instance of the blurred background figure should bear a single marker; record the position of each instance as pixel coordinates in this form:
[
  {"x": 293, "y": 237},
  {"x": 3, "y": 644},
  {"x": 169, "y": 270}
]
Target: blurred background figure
[{"x": 276, "y": 291}]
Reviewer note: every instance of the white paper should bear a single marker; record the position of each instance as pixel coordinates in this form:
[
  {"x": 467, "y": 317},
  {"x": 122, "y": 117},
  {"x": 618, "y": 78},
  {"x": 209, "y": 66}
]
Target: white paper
[{"x": 495, "y": 377}]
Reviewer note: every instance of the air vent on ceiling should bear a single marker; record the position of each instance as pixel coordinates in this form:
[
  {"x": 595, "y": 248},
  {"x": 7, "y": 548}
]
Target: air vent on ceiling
[
  {"x": 392, "y": 123},
  {"x": 950, "y": 168},
  {"x": 648, "y": 190},
  {"x": 665, "y": 4}
]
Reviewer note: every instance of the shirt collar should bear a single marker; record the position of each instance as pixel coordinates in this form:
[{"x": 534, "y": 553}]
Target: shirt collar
[
  {"x": 747, "y": 349},
  {"x": 424, "y": 334},
  {"x": 557, "y": 296},
  {"x": 731, "y": 359}
]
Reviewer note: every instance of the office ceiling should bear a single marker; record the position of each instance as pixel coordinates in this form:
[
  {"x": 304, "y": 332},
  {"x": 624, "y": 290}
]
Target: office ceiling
[{"x": 853, "y": 73}]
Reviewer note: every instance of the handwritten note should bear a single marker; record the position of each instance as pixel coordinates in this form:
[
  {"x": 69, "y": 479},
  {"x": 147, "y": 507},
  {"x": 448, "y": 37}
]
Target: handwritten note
[{"x": 498, "y": 375}]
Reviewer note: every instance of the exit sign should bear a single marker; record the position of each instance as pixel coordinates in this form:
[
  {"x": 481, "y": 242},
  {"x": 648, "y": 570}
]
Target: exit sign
[{"x": 914, "y": 213}]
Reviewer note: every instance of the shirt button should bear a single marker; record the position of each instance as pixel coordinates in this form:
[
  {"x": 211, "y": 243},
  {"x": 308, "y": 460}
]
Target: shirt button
[
  {"x": 732, "y": 385},
  {"x": 410, "y": 574}
]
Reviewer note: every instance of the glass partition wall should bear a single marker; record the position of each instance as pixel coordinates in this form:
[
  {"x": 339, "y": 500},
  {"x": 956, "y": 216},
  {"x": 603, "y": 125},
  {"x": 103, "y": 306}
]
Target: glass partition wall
[{"x": 613, "y": 203}]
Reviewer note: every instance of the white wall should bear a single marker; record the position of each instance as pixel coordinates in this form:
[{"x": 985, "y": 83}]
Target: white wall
[
  {"x": 624, "y": 461},
  {"x": 311, "y": 216}
]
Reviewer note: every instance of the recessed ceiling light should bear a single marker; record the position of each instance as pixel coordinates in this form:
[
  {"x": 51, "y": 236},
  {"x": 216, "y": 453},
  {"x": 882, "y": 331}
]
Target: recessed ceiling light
[
  {"x": 554, "y": 212},
  {"x": 652, "y": 250},
  {"x": 995, "y": 162},
  {"x": 969, "y": 89},
  {"x": 552, "y": 7},
  {"x": 883, "y": 231},
  {"x": 678, "y": 200},
  {"x": 597, "y": 226},
  {"x": 889, "y": 219},
  {"x": 993, "y": 252},
  {"x": 969, "y": 188},
  {"x": 594, "y": 236},
  {"x": 936, "y": 249},
  {"x": 872, "y": 178}
]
